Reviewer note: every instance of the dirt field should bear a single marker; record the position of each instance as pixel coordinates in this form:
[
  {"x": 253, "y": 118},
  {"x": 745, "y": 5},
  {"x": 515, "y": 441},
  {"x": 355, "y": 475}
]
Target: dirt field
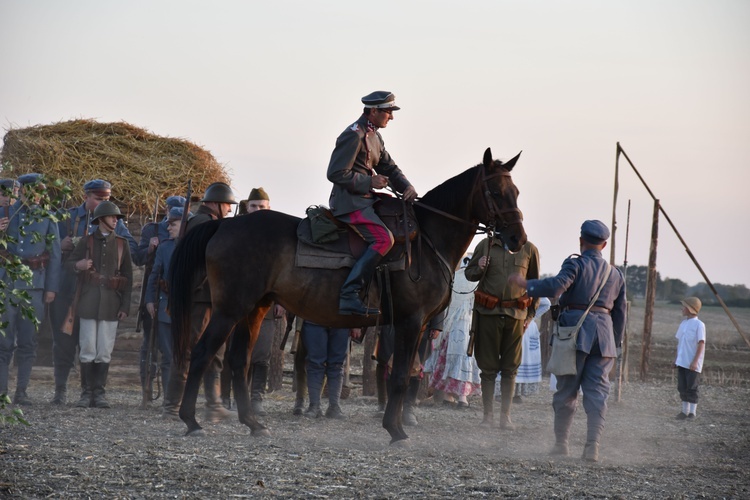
[{"x": 125, "y": 452}]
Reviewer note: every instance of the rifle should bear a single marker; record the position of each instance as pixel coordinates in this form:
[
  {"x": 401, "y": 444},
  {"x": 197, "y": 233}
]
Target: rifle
[
  {"x": 146, "y": 271},
  {"x": 70, "y": 318},
  {"x": 186, "y": 209},
  {"x": 289, "y": 326},
  {"x": 151, "y": 360}
]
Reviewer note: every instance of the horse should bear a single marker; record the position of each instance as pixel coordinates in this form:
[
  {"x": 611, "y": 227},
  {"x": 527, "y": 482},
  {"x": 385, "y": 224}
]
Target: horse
[{"x": 249, "y": 263}]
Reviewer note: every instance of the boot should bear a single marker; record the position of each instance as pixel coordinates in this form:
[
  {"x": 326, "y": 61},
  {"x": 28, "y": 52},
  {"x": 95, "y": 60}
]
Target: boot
[
  {"x": 350, "y": 302},
  {"x": 488, "y": 400},
  {"x": 560, "y": 449},
  {"x": 591, "y": 451},
  {"x": 335, "y": 383},
  {"x": 21, "y": 398},
  {"x": 215, "y": 411},
  {"x": 313, "y": 411},
  {"x": 87, "y": 377},
  {"x": 100, "y": 381},
  {"x": 173, "y": 394},
  {"x": 408, "y": 416},
  {"x": 258, "y": 389},
  {"x": 507, "y": 387},
  {"x": 61, "y": 395}
]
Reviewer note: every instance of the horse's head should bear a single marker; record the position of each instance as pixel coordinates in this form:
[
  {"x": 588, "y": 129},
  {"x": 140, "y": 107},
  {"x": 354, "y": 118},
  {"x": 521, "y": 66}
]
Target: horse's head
[{"x": 499, "y": 201}]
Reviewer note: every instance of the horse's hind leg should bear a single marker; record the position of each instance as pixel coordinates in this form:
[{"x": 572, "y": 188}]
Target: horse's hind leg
[
  {"x": 213, "y": 337},
  {"x": 244, "y": 340}
]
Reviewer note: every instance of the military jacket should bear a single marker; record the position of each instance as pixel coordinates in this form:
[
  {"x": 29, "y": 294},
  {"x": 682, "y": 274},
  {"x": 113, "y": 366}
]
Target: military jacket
[
  {"x": 22, "y": 228},
  {"x": 495, "y": 280},
  {"x": 159, "y": 229},
  {"x": 96, "y": 301},
  {"x": 75, "y": 227},
  {"x": 576, "y": 284},
  {"x": 155, "y": 294},
  {"x": 358, "y": 153}
]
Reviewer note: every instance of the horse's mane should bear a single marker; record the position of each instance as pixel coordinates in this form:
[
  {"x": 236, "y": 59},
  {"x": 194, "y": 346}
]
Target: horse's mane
[{"x": 453, "y": 192}]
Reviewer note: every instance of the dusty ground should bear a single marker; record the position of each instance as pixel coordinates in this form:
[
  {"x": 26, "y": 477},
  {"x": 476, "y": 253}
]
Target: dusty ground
[{"x": 125, "y": 452}]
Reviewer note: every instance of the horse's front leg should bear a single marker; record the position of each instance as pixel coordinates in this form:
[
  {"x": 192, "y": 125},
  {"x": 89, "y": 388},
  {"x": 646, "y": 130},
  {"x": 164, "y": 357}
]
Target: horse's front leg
[{"x": 241, "y": 350}]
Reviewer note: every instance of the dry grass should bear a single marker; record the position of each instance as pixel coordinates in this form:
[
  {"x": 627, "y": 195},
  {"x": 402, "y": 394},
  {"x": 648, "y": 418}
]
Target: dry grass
[{"x": 140, "y": 165}]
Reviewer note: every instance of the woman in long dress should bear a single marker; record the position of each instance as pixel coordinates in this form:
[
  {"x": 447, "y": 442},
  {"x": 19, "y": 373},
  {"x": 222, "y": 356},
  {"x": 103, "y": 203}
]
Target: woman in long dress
[
  {"x": 453, "y": 372},
  {"x": 530, "y": 371}
]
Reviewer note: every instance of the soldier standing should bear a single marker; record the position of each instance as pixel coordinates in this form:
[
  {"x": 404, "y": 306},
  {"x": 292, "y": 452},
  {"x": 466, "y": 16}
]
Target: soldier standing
[
  {"x": 216, "y": 204},
  {"x": 502, "y": 311},
  {"x": 35, "y": 241},
  {"x": 71, "y": 230},
  {"x": 152, "y": 234},
  {"x": 598, "y": 339},
  {"x": 103, "y": 264}
]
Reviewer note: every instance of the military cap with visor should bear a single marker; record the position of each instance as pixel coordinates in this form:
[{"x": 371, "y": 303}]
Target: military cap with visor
[
  {"x": 595, "y": 232},
  {"x": 175, "y": 213},
  {"x": 30, "y": 179},
  {"x": 98, "y": 186},
  {"x": 380, "y": 99},
  {"x": 176, "y": 201}
]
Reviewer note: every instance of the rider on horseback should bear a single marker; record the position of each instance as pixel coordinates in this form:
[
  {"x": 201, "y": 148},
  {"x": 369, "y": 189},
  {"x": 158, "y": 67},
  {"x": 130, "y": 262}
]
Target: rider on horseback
[{"x": 360, "y": 164}]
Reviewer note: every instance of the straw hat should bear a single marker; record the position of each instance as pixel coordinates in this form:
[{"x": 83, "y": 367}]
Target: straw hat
[{"x": 693, "y": 304}]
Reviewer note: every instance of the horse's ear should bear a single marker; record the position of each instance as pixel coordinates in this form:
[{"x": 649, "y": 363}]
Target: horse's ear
[
  {"x": 487, "y": 158},
  {"x": 512, "y": 162}
]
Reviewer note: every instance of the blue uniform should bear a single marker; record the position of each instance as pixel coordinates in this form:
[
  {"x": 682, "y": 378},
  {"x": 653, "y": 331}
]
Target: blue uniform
[
  {"x": 157, "y": 295},
  {"x": 43, "y": 255},
  {"x": 601, "y": 334}
]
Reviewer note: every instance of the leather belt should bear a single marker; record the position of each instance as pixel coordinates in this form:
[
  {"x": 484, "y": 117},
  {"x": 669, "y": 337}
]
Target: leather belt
[{"x": 596, "y": 309}]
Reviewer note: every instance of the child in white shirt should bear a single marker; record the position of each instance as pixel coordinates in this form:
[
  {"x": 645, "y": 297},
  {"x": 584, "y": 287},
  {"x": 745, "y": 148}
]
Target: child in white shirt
[{"x": 691, "y": 346}]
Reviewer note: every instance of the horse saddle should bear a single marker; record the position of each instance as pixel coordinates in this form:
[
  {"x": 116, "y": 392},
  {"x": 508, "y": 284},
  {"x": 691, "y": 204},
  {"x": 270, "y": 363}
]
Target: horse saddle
[{"x": 344, "y": 250}]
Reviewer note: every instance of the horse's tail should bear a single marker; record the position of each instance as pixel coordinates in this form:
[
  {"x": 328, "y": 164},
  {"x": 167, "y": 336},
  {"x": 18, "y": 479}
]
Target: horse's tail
[{"x": 186, "y": 270}]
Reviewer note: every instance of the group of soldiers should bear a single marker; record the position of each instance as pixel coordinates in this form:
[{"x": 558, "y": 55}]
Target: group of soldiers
[{"x": 81, "y": 260}]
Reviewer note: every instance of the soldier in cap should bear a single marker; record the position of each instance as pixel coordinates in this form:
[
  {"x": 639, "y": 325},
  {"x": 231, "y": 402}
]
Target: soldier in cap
[
  {"x": 8, "y": 194},
  {"x": 691, "y": 347},
  {"x": 72, "y": 229},
  {"x": 359, "y": 165},
  {"x": 261, "y": 357},
  {"x": 35, "y": 241},
  {"x": 502, "y": 312},
  {"x": 102, "y": 261},
  {"x": 152, "y": 234},
  {"x": 216, "y": 204},
  {"x": 157, "y": 294},
  {"x": 598, "y": 339}
]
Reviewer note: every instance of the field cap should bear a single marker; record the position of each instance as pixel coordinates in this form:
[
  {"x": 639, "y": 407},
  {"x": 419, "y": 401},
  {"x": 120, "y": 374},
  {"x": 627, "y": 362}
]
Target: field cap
[
  {"x": 258, "y": 194},
  {"x": 693, "y": 304},
  {"x": 98, "y": 186},
  {"x": 176, "y": 201},
  {"x": 594, "y": 231},
  {"x": 30, "y": 179},
  {"x": 175, "y": 213},
  {"x": 9, "y": 183},
  {"x": 380, "y": 99}
]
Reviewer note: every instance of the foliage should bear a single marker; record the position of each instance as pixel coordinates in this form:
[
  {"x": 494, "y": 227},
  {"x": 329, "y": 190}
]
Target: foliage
[
  {"x": 15, "y": 271},
  {"x": 14, "y": 416}
]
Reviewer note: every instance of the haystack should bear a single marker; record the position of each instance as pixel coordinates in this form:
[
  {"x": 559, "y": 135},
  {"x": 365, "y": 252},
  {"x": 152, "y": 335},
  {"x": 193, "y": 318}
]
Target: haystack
[{"x": 140, "y": 165}]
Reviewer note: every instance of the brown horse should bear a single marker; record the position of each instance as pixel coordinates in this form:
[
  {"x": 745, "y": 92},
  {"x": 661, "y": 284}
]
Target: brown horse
[{"x": 250, "y": 263}]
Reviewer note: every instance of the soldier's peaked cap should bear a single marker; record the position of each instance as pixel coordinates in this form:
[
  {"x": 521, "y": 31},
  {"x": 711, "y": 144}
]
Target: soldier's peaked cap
[
  {"x": 380, "y": 99},
  {"x": 176, "y": 201},
  {"x": 30, "y": 179},
  {"x": 594, "y": 231},
  {"x": 9, "y": 183},
  {"x": 98, "y": 186},
  {"x": 175, "y": 213}
]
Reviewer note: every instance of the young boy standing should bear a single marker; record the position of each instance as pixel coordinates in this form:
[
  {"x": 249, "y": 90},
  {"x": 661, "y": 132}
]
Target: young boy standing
[{"x": 691, "y": 346}]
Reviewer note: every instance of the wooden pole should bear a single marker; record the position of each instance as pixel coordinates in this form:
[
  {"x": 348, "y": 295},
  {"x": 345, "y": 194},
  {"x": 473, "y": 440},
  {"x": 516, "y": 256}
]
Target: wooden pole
[
  {"x": 648, "y": 319},
  {"x": 614, "y": 207},
  {"x": 276, "y": 365},
  {"x": 622, "y": 372},
  {"x": 744, "y": 336}
]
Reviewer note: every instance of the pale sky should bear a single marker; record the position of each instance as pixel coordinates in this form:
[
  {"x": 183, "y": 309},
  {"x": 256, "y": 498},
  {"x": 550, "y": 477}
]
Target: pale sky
[{"x": 268, "y": 86}]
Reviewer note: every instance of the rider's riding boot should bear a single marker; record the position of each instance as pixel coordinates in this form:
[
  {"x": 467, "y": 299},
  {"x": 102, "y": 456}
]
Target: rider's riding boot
[
  {"x": 100, "y": 372},
  {"x": 215, "y": 411},
  {"x": 87, "y": 377},
  {"x": 408, "y": 416},
  {"x": 257, "y": 389},
  {"x": 507, "y": 387},
  {"x": 488, "y": 399},
  {"x": 350, "y": 302}
]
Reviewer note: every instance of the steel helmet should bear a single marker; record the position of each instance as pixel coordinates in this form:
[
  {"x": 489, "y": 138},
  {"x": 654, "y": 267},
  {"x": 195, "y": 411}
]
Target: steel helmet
[
  {"x": 106, "y": 208},
  {"x": 219, "y": 192}
]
